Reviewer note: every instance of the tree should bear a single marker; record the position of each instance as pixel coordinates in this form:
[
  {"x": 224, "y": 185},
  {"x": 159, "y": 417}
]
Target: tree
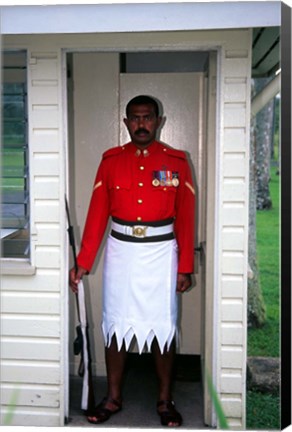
[
  {"x": 256, "y": 307},
  {"x": 256, "y": 313},
  {"x": 264, "y": 128}
]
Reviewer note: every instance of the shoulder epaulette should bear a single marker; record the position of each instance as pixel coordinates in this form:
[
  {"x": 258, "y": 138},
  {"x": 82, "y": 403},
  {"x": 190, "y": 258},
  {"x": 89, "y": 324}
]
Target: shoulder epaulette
[
  {"x": 174, "y": 152},
  {"x": 113, "y": 151}
]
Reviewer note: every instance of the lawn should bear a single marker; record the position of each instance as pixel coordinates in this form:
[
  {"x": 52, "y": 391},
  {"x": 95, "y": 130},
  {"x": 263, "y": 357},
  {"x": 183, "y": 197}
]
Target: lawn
[
  {"x": 265, "y": 341},
  {"x": 263, "y": 410}
]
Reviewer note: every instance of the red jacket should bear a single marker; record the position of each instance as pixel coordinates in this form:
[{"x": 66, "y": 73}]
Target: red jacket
[{"x": 142, "y": 186}]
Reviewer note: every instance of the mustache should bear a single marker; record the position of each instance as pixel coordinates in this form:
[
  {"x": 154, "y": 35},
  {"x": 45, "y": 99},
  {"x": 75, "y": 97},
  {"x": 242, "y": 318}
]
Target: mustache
[{"x": 141, "y": 130}]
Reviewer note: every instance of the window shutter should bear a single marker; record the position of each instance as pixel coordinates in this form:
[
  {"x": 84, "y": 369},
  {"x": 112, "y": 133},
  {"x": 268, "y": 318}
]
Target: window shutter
[{"x": 15, "y": 171}]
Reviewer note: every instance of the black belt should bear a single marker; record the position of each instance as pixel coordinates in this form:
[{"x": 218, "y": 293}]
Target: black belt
[
  {"x": 158, "y": 223},
  {"x": 146, "y": 232}
]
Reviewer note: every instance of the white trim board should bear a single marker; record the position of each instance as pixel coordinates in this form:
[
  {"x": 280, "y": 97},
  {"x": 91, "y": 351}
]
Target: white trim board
[{"x": 104, "y": 18}]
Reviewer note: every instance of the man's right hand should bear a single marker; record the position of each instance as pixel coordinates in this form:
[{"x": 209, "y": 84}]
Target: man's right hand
[{"x": 75, "y": 277}]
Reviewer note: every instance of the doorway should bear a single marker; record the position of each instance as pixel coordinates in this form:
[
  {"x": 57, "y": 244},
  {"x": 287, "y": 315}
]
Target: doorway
[{"x": 99, "y": 86}]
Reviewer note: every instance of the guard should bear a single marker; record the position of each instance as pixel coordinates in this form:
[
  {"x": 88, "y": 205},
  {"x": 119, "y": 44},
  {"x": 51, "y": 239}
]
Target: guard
[{"x": 146, "y": 188}]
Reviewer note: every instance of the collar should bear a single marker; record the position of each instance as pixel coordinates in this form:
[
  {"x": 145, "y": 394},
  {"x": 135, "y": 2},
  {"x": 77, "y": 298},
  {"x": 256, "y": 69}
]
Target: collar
[{"x": 151, "y": 149}]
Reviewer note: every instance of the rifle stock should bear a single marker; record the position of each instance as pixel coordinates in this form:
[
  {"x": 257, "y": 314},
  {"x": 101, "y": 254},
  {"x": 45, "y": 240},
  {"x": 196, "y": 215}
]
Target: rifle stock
[{"x": 78, "y": 344}]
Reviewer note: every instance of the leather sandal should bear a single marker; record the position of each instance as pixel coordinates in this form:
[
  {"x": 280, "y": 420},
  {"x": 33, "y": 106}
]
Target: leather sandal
[
  {"x": 101, "y": 414},
  {"x": 168, "y": 414}
]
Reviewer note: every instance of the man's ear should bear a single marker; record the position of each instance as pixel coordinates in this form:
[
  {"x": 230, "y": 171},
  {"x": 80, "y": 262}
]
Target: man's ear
[
  {"x": 126, "y": 121},
  {"x": 161, "y": 121}
]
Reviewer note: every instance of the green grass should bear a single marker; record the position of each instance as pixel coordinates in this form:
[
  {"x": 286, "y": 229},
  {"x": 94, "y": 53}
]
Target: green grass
[
  {"x": 12, "y": 170},
  {"x": 263, "y": 410},
  {"x": 265, "y": 341}
]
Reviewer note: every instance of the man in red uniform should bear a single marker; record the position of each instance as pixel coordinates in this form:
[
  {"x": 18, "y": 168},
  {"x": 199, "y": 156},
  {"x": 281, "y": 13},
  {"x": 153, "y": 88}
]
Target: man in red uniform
[{"x": 146, "y": 188}]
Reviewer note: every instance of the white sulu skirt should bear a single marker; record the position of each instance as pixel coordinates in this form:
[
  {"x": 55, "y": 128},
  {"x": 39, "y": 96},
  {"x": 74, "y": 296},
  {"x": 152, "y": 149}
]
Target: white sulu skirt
[{"x": 139, "y": 293}]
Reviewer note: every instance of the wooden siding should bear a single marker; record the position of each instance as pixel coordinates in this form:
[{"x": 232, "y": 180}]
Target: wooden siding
[
  {"x": 31, "y": 327},
  {"x": 231, "y": 359}
]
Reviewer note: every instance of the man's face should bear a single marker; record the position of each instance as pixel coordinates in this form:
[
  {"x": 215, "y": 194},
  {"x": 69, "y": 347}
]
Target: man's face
[{"x": 142, "y": 124}]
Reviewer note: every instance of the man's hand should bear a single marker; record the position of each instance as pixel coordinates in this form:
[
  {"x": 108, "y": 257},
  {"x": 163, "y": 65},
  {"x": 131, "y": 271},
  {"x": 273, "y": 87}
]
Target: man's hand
[
  {"x": 74, "y": 277},
  {"x": 184, "y": 281}
]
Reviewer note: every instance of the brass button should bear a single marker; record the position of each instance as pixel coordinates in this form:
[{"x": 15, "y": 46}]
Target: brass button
[
  {"x": 117, "y": 187},
  {"x": 139, "y": 218},
  {"x": 140, "y": 184},
  {"x": 140, "y": 201},
  {"x": 138, "y": 152},
  {"x": 142, "y": 167}
]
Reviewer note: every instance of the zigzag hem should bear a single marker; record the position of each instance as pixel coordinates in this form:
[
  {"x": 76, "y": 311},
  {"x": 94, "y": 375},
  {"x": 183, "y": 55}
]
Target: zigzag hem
[{"x": 143, "y": 337}]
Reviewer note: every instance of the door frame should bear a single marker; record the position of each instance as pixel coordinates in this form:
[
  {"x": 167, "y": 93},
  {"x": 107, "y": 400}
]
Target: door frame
[{"x": 212, "y": 212}]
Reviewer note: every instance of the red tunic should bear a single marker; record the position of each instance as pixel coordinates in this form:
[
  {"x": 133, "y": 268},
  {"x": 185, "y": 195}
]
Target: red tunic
[{"x": 124, "y": 188}]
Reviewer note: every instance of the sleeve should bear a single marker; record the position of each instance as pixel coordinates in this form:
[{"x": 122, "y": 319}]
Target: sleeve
[
  {"x": 96, "y": 220},
  {"x": 184, "y": 225}
]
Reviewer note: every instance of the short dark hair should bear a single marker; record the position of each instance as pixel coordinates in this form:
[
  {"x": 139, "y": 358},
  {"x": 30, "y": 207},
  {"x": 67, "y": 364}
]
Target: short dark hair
[{"x": 142, "y": 100}]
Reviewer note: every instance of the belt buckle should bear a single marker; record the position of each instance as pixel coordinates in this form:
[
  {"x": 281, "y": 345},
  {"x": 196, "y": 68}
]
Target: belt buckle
[{"x": 139, "y": 231}]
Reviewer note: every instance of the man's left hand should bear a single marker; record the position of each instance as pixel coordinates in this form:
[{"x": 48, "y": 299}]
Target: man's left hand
[{"x": 184, "y": 281}]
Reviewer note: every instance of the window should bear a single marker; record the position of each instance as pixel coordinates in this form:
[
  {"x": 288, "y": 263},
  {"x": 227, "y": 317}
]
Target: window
[{"x": 15, "y": 237}]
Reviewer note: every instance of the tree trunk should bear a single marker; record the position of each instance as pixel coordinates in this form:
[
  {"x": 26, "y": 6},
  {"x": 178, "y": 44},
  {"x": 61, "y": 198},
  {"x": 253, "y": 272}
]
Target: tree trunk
[
  {"x": 256, "y": 308},
  {"x": 263, "y": 140}
]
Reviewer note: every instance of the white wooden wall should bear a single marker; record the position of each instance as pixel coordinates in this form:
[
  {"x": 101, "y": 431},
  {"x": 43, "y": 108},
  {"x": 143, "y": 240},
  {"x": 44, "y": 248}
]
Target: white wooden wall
[
  {"x": 34, "y": 302},
  {"x": 233, "y": 228}
]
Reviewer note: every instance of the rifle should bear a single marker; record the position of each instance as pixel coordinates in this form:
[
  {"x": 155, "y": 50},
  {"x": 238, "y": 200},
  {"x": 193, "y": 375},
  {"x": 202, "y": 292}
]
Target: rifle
[{"x": 81, "y": 343}]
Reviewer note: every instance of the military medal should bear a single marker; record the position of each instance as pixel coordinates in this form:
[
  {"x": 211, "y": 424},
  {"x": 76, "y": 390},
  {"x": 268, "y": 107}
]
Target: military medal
[
  {"x": 155, "y": 181},
  {"x": 169, "y": 178},
  {"x": 162, "y": 178},
  {"x": 175, "y": 180},
  {"x": 165, "y": 178}
]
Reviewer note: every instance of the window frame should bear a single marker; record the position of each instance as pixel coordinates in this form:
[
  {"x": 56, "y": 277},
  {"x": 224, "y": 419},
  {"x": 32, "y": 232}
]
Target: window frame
[{"x": 19, "y": 264}]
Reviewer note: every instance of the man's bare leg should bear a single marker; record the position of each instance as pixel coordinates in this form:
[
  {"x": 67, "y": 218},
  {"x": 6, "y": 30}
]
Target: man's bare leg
[
  {"x": 115, "y": 366},
  {"x": 164, "y": 369}
]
